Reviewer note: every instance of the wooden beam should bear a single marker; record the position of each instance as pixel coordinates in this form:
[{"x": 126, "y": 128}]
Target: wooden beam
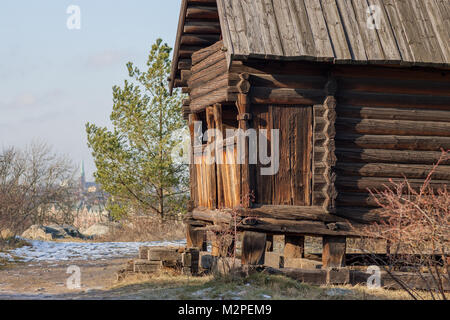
[
  {"x": 333, "y": 252},
  {"x": 202, "y": 12},
  {"x": 217, "y": 110},
  {"x": 253, "y": 248},
  {"x": 195, "y": 238},
  {"x": 264, "y": 95},
  {"x": 244, "y": 109}
]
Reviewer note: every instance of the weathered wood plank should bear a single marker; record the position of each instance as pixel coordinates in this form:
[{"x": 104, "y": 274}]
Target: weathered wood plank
[
  {"x": 352, "y": 30},
  {"x": 336, "y": 31},
  {"x": 385, "y": 34},
  {"x": 324, "y": 50},
  {"x": 374, "y": 51}
]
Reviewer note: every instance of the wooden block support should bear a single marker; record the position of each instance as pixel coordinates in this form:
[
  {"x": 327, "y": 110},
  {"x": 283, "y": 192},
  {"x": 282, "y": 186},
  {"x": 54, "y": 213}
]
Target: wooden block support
[
  {"x": 253, "y": 248},
  {"x": 294, "y": 246},
  {"x": 333, "y": 252},
  {"x": 196, "y": 238}
]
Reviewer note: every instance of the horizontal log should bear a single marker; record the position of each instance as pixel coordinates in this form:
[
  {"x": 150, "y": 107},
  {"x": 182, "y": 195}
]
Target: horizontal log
[
  {"x": 382, "y": 73},
  {"x": 199, "y": 39},
  {"x": 345, "y": 183},
  {"x": 184, "y": 64},
  {"x": 203, "y": 53},
  {"x": 278, "y": 67},
  {"x": 188, "y": 51},
  {"x": 290, "y": 213},
  {"x": 212, "y": 85},
  {"x": 202, "y": 27},
  {"x": 278, "y": 226},
  {"x": 393, "y": 127},
  {"x": 370, "y": 99},
  {"x": 264, "y": 95},
  {"x": 393, "y": 113},
  {"x": 287, "y": 81},
  {"x": 213, "y": 216},
  {"x": 202, "y": 12},
  {"x": 395, "y": 86},
  {"x": 348, "y": 199},
  {"x": 203, "y": 77},
  {"x": 226, "y": 94},
  {"x": 389, "y": 156},
  {"x": 394, "y": 142},
  {"x": 185, "y": 75},
  {"x": 410, "y": 171},
  {"x": 209, "y": 61}
]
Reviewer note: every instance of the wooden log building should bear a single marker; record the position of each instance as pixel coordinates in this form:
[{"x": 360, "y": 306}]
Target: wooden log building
[{"x": 358, "y": 89}]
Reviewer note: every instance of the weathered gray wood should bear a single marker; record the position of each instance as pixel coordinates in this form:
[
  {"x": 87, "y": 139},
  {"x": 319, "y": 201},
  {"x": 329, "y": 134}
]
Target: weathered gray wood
[
  {"x": 324, "y": 49},
  {"x": 370, "y": 38},
  {"x": 385, "y": 34},
  {"x": 352, "y": 30},
  {"x": 400, "y": 35},
  {"x": 302, "y": 28},
  {"x": 337, "y": 34}
]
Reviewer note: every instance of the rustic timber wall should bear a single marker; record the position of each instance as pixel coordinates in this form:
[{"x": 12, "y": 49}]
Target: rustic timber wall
[
  {"x": 209, "y": 80},
  {"x": 380, "y": 123},
  {"x": 391, "y": 123}
]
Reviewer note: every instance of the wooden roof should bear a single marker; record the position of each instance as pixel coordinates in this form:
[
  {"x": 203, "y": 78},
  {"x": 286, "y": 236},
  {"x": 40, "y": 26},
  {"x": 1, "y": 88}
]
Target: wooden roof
[{"x": 411, "y": 32}]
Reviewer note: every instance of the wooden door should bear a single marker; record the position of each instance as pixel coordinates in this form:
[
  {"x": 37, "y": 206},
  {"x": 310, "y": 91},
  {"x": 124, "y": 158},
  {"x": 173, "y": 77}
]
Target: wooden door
[{"x": 292, "y": 184}]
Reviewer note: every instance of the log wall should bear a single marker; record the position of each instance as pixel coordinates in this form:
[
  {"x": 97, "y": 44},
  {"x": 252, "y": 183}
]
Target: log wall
[
  {"x": 377, "y": 123},
  {"x": 209, "y": 80},
  {"x": 391, "y": 123}
]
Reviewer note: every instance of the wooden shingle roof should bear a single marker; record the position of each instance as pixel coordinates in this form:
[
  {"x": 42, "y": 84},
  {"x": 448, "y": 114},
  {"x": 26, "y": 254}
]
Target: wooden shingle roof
[
  {"x": 414, "y": 32},
  {"x": 405, "y": 32}
]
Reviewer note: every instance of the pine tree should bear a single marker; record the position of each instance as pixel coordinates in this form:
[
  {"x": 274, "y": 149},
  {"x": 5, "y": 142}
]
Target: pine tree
[{"x": 133, "y": 160}]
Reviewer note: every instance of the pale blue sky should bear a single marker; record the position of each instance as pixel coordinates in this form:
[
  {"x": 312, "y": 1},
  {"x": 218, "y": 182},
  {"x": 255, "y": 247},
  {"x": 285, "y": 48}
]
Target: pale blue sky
[{"x": 53, "y": 80}]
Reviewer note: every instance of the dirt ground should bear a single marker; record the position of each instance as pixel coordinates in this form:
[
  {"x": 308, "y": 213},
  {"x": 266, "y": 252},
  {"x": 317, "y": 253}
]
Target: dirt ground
[{"x": 47, "y": 281}]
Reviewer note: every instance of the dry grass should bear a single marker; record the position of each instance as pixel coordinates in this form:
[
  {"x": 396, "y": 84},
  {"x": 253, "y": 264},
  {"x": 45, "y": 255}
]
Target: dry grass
[
  {"x": 257, "y": 286},
  {"x": 141, "y": 229}
]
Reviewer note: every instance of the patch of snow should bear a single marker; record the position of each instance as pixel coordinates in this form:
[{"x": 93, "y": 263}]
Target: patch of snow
[
  {"x": 338, "y": 292},
  {"x": 6, "y": 256},
  {"x": 265, "y": 296},
  {"x": 45, "y": 251}
]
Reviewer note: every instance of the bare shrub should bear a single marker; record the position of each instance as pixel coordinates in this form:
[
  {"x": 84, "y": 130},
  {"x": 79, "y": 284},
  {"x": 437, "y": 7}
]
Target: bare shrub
[
  {"x": 226, "y": 240},
  {"x": 416, "y": 226},
  {"x": 34, "y": 183}
]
